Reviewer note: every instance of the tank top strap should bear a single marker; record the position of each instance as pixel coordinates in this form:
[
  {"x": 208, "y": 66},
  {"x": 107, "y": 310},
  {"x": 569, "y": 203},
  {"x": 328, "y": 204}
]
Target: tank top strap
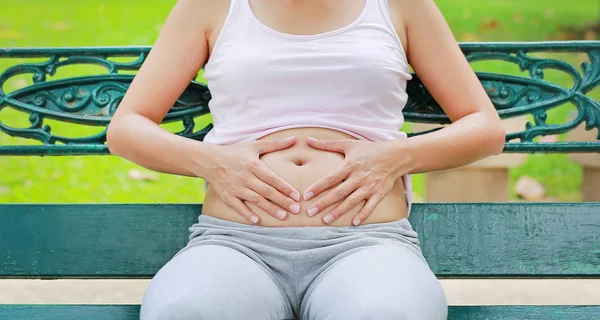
[
  {"x": 238, "y": 15},
  {"x": 233, "y": 27},
  {"x": 383, "y": 8},
  {"x": 382, "y": 16}
]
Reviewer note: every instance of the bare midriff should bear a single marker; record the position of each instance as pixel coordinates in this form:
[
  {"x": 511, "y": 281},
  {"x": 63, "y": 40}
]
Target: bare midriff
[{"x": 300, "y": 166}]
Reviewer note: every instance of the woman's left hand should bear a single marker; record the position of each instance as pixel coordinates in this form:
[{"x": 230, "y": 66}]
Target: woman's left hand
[{"x": 368, "y": 172}]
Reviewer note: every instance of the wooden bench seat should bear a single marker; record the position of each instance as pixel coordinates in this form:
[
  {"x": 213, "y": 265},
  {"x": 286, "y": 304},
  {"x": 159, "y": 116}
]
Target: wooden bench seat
[{"x": 459, "y": 240}]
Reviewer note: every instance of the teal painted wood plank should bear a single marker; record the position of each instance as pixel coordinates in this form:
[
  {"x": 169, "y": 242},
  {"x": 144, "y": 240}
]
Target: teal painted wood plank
[
  {"x": 70, "y": 312},
  {"x": 458, "y": 240},
  {"x": 91, "y": 240},
  {"x": 510, "y": 239},
  {"x": 524, "y": 313},
  {"x": 131, "y": 312}
]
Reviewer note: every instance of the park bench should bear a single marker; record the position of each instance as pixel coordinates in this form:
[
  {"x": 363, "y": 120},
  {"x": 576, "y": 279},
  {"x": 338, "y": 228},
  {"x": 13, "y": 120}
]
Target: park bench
[{"x": 460, "y": 240}]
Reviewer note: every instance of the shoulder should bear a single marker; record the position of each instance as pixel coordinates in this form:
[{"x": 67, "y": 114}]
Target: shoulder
[
  {"x": 203, "y": 7},
  {"x": 202, "y": 13},
  {"x": 407, "y": 8},
  {"x": 400, "y": 13},
  {"x": 415, "y": 18}
]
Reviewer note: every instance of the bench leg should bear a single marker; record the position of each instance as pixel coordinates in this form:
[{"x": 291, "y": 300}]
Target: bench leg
[
  {"x": 591, "y": 183},
  {"x": 483, "y": 181},
  {"x": 467, "y": 185}
]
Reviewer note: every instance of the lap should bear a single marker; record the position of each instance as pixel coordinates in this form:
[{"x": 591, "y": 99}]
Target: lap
[
  {"x": 213, "y": 282},
  {"x": 378, "y": 282}
]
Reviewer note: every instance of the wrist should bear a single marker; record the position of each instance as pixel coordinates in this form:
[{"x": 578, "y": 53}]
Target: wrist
[
  {"x": 402, "y": 157},
  {"x": 202, "y": 156}
]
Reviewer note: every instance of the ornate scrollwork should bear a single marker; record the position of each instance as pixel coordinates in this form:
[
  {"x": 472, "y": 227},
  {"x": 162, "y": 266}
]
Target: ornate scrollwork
[
  {"x": 517, "y": 95},
  {"x": 92, "y": 100},
  {"x": 89, "y": 100}
]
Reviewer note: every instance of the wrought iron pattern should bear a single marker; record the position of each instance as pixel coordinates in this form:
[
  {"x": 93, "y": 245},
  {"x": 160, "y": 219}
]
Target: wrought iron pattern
[
  {"x": 521, "y": 95},
  {"x": 91, "y": 100},
  {"x": 87, "y": 100}
]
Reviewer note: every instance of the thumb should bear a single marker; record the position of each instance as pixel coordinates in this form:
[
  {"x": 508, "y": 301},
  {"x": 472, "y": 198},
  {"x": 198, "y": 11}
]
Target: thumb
[
  {"x": 339, "y": 146},
  {"x": 266, "y": 146}
]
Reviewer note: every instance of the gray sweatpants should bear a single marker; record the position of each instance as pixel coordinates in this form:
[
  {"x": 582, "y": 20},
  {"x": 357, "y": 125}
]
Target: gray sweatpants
[{"x": 231, "y": 270}]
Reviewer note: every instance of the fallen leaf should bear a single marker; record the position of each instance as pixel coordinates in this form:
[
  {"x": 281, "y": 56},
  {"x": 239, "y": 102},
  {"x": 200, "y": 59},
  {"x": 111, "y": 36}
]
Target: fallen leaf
[
  {"x": 61, "y": 26},
  {"x": 490, "y": 25},
  {"x": 139, "y": 175},
  {"x": 590, "y": 35},
  {"x": 518, "y": 18},
  {"x": 566, "y": 35},
  {"x": 10, "y": 34},
  {"x": 530, "y": 189},
  {"x": 469, "y": 37}
]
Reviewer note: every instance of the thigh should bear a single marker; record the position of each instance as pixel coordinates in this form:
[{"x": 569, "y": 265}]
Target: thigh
[
  {"x": 213, "y": 282},
  {"x": 378, "y": 282}
]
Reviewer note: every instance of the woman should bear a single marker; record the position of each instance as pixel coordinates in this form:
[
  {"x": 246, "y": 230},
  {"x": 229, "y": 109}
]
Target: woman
[{"x": 308, "y": 192}]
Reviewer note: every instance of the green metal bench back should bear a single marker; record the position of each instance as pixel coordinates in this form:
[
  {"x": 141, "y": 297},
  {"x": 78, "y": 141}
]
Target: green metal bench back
[
  {"x": 92, "y": 99},
  {"x": 459, "y": 240}
]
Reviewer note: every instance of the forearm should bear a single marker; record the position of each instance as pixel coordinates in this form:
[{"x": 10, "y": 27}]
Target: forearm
[
  {"x": 471, "y": 138},
  {"x": 139, "y": 140}
]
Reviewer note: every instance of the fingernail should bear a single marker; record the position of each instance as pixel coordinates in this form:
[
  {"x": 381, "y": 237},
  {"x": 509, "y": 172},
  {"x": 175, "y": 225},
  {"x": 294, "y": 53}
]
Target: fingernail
[
  {"x": 356, "y": 221},
  {"x": 312, "y": 211},
  {"x": 294, "y": 195},
  {"x": 281, "y": 214},
  {"x": 308, "y": 195},
  {"x": 328, "y": 218},
  {"x": 294, "y": 208},
  {"x": 289, "y": 138},
  {"x": 311, "y": 138},
  {"x": 254, "y": 219}
]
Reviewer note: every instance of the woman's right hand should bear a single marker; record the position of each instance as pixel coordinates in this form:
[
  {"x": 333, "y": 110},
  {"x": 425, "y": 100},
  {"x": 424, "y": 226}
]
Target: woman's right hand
[{"x": 238, "y": 176}]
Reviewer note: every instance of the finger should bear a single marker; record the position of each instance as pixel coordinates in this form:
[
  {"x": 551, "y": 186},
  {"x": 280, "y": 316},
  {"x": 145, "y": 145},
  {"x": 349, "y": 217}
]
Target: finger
[
  {"x": 339, "y": 146},
  {"x": 368, "y": 208},
  {"x": 271, "y": 194},
  {"x": 237, "y": 205},
  {"x": 349, "y": 203},
  {"x": 266, "y": 146},
  {"x": 327, "y": 182},
  {"x": 338, "y": 194},
  {"x": 259, "y": 201},
  {"x": 269, "y": 177}
]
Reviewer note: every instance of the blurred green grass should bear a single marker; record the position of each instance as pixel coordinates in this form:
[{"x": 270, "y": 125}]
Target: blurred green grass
[{"x": 100, "y": 179}]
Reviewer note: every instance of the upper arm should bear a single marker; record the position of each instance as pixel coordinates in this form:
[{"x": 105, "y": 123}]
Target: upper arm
[
  {"x": 179, "y": 52},
  {"x": 438, "y": 61}
]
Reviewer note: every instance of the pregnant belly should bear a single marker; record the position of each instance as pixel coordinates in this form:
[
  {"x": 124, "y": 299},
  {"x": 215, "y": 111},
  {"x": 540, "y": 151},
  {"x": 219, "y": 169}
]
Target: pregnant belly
[{"x": 301, "y": 166}]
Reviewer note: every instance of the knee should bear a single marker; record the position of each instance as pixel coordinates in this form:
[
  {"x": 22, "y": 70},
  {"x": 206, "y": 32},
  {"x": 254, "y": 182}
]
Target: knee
[
  {"x": 381, "y": 310},
  {"x": 400, "y": 310},
  {"x": 180, "y": 309}
]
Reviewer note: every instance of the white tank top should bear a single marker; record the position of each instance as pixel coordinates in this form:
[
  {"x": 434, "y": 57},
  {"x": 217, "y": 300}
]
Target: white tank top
[{"x": 352, "y": 79}]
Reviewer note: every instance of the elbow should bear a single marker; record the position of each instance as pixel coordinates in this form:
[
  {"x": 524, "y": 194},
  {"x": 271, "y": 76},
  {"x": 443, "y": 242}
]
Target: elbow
[
  {"x": 492, "y": 131},
  {"x": 112, "y": 137},
  {"x": 497, "y": 137}
]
